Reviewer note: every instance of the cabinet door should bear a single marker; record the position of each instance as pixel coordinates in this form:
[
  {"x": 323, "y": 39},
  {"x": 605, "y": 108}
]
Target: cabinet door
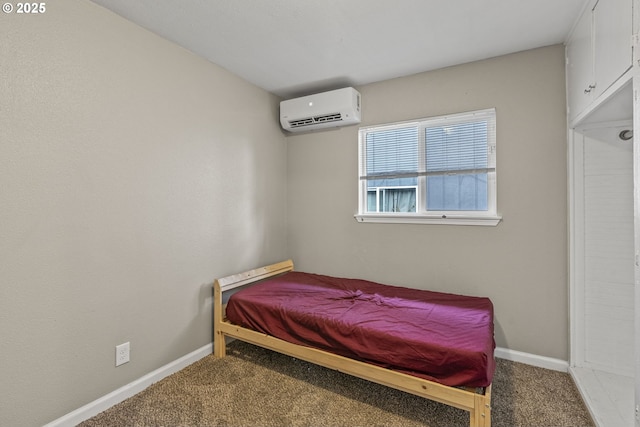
[
  {"x": 580, "y": 65},
  {"x": 612, "y": 26}
]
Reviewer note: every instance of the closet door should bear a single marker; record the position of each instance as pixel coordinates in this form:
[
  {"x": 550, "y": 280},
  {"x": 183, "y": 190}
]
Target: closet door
[{"x": 609, "y": 252}]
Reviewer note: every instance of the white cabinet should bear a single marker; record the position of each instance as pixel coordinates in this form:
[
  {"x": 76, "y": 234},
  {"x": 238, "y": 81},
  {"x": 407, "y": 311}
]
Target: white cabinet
[
  {"x": 612, "y": 29},
  {"x": 598, "y": 52},
  {"x": 580, "y": 66}
]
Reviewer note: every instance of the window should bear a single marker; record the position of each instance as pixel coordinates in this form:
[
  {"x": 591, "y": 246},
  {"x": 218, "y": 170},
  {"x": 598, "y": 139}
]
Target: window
[{"x": 435, "y": 170}]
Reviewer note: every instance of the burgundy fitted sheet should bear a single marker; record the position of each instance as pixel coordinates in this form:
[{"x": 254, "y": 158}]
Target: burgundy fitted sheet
[{"x": 442, "y": 337}]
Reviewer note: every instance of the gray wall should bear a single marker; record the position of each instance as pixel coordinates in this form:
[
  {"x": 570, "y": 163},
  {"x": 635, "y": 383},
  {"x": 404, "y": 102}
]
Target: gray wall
[
  {"x": 132, "y": 174},
  {"x": 521, "y": 264}
]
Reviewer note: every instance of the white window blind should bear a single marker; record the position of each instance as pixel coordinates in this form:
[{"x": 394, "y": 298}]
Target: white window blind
[{"x": 392, "y": 153}]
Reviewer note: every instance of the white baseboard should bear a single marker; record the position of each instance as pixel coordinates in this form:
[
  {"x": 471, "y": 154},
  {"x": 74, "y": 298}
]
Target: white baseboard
[
  {"x": 105, "y": 402},
  {"x": 94, "y": 408},
  {"x": 532, "y": 359}
]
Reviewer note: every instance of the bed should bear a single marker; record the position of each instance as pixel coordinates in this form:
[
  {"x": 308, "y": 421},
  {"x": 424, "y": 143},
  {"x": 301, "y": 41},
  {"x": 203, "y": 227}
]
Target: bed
[{"x": 435, "y": 345}]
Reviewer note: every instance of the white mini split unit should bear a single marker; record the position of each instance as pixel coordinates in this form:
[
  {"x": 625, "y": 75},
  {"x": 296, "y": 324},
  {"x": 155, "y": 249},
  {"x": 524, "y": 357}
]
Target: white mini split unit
[{"x": 335, "y": 108}]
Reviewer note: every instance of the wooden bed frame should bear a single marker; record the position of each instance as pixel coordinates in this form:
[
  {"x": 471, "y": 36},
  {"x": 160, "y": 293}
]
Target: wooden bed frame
[{"x": 476, "y": 401}]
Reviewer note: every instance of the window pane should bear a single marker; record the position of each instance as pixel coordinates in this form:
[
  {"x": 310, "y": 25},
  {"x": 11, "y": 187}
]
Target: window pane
[
  {"x": 398, "y": 200},
  {"x": 372, "y": 200},
  {"x": 451, "y": 148},
  {"x": 392, "y": 194},
  {"x": 462, "y": 192}
]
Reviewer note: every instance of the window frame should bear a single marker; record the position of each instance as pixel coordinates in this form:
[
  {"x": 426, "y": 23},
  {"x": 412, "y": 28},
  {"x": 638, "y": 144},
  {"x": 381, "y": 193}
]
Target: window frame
[{"x": 490, "y": 217}]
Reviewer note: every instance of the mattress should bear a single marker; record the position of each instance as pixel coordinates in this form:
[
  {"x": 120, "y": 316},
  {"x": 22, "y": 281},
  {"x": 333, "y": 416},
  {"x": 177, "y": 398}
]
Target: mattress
[{"x": 446, "y": 338}]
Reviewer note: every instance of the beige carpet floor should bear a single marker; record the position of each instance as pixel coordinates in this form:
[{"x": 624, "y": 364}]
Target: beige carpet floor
[{"x": 257, "y": 387}]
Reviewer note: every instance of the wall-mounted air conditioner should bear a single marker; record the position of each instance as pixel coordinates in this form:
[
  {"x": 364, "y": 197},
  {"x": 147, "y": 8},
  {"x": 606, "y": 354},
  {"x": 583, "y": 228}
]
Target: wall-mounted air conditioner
[{"x": 335, "y": 108}]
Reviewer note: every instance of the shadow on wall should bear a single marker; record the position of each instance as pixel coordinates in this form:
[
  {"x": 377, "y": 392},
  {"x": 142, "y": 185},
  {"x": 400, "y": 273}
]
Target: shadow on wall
[{"x": 498, "y": 332}]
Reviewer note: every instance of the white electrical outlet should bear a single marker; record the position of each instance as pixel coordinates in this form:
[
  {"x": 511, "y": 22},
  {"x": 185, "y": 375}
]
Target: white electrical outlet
[{"x": 122, "y": 354}]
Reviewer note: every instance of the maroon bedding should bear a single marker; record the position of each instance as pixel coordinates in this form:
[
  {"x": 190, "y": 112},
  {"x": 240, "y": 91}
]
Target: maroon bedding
[{"x": 442, "y": 337}]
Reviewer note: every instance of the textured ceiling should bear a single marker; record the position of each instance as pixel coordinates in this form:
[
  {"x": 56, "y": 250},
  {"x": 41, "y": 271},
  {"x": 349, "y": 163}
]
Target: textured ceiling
[{"x": 296, "y": 47}]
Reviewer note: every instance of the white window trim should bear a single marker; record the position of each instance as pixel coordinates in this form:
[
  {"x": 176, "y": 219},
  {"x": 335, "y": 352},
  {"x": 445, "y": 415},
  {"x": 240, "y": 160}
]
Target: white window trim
[
  {"x": 393, "y": 218},
  {"x": 481, "y": 218}
]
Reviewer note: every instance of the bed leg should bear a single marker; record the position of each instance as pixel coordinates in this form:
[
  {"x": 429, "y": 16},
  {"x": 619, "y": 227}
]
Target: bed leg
[
  {"x": 481, "y": 415},
  {"x": 219, "y": 347},
  {"x": 219, "y": 344}
]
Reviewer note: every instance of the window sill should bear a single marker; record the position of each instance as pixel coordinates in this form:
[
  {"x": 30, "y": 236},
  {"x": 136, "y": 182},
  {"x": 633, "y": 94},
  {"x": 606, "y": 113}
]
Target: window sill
[{"x": 422, "y": 219}]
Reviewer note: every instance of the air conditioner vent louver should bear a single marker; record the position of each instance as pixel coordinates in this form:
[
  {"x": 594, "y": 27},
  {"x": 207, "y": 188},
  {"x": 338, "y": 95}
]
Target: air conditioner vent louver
[
  {"x": 335, "y": 117},
  {"x": 340, "y": 107}
]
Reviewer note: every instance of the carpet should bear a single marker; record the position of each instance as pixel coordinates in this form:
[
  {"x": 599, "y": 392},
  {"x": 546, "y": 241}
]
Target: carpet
[{"x": 257, "y": 387}]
